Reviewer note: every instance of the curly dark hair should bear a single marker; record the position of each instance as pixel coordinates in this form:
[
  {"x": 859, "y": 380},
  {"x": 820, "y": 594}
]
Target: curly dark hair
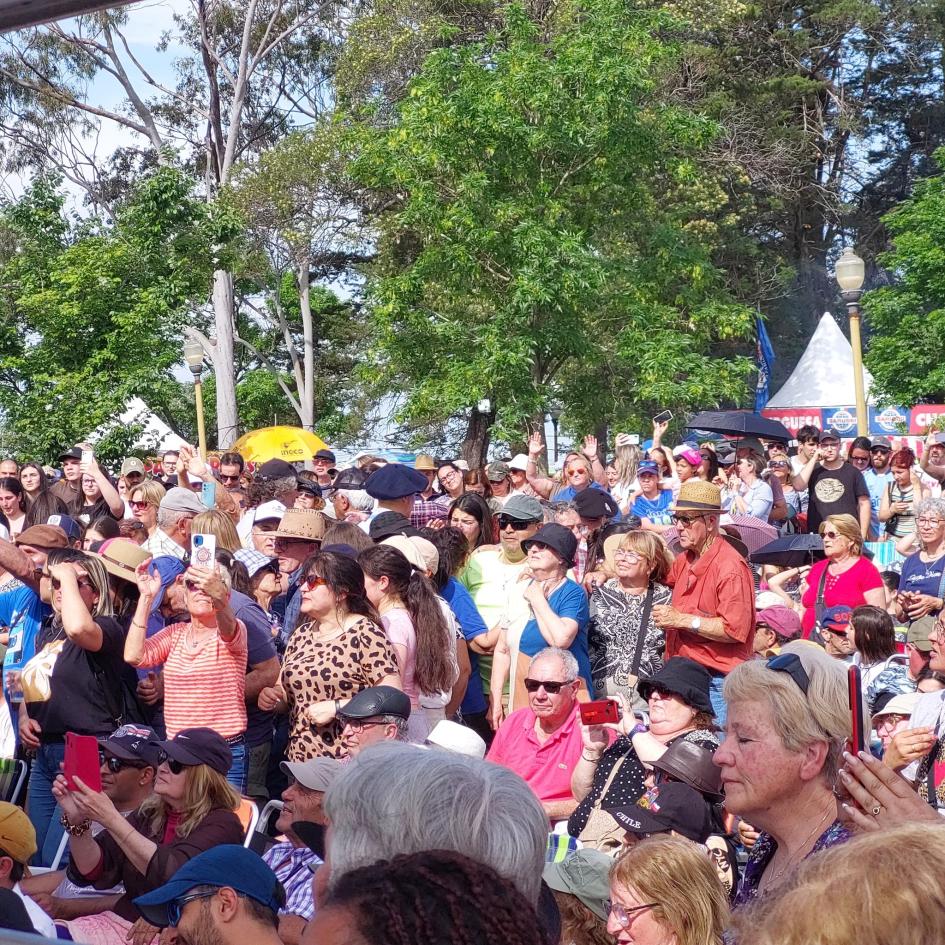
[{"x": 435, "y": 897}]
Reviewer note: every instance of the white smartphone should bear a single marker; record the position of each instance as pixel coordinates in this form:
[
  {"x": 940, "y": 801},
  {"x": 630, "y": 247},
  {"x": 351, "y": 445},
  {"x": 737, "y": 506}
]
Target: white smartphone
[
  {"x": 87, "y": 457},
  {"x": 203, "y": 551}
]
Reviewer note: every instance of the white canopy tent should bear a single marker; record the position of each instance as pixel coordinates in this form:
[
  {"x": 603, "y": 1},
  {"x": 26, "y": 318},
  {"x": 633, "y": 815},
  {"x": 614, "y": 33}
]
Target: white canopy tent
[
  {"x": 156, "y": 436},
  {"x": 824, "y": 375}
]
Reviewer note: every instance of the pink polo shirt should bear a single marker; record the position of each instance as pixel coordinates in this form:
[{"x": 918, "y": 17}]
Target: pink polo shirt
[{"x": 547, "y": 767}]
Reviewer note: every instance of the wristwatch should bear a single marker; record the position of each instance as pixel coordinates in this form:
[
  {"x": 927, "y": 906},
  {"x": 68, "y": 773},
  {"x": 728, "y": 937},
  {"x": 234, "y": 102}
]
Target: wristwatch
[{"x": 696, "y": 624}]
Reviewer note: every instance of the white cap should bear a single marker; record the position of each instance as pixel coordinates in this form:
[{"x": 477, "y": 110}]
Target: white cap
[
  {"x": 902, "y": 704},
  {"x": 457, "y": 738},
  {"x": 519, "y": 461},
  {"x": 408, "y": 549},
  {"x": 767, "y": 599},
  {"x": 267, "y": 510}
]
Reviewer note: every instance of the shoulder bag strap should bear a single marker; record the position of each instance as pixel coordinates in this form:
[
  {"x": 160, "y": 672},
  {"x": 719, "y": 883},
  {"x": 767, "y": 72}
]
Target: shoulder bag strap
[
  {"x": 930, "y": 759},
  {"x": 610, "y": 778},
  {"x": 819, "y": 605},
  {"x": 641, "y": 633}
]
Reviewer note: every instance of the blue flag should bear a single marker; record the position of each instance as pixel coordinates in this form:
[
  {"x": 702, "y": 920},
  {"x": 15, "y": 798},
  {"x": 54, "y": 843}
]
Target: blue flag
[{"x": 764, "y": 360}]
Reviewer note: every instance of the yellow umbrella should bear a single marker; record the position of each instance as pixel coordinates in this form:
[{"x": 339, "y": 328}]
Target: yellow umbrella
[{"x": 292, "y": 444}]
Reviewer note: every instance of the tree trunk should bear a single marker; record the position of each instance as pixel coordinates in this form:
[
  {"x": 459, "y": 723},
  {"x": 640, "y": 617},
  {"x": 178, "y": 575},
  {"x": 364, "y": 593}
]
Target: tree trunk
[
  {"x": 223, "y": 367},
  {"x": 307, "y": 391},
  {"x": 476, "y": 442}
]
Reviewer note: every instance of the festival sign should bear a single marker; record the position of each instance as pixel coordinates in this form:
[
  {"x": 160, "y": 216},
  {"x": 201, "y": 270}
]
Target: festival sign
[
  {"x": 841, "y": 419},
  {"x": 922, "y": 416},
  {"x": 796, "y": 417},
  {"x": 890, "y": 421}
]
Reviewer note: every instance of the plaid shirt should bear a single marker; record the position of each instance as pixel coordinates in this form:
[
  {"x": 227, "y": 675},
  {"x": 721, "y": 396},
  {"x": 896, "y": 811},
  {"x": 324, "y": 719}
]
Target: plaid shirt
[
  {"x": 426, "y": 509},
  {"x": 290, "y": 863}
]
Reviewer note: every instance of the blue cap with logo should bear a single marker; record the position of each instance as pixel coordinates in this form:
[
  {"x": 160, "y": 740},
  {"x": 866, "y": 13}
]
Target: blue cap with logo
[{"x": 226, "y": 865}]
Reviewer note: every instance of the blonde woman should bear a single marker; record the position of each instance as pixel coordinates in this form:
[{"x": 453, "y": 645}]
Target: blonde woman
[
  {"x": 220, "y": 526},
  {"x": 666, "y": 890},
  {"x": 192, "y": 810},
  {"x": 627, "y": 456},
  {"x": 579, "y": 472},
  {"x": 144, "y": 502}
]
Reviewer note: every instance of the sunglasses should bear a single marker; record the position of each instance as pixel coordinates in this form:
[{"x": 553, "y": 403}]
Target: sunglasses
[
  {"x": 175, "y": 908},
  {"x": 175, "y": 766},
  {"x": 880, "y": 449},
  {"x": 514, "y": 524},
  {"x": 685, "y": 520},
  {"x": 552, "y": 687},
  {"x": 192, "y": 586},
  {"x": 311, "y": 581},
  {"x": 830, "y": 534},
  {"x": 791, "y": 664},
  {"x": 138, "y": 505},
  {"x": 117, "y": 764},
  {"x": 235, "y": 478},
  {"x": 859, "y": 459},
  {"x": 82, "y": 582}
]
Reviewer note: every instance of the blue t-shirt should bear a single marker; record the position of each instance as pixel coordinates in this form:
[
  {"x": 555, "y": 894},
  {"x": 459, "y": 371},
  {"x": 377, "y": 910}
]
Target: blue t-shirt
[
  {"x": 23, "y": 612},
  {"x": 569, "y": 492},
  {"x": 920, "y": 576},
  {"x": 569, "y": 600},
  {"x": 656, "y": 510},
  {"x": 471, "y": 623},
  {"x": 877, "y": 483}
]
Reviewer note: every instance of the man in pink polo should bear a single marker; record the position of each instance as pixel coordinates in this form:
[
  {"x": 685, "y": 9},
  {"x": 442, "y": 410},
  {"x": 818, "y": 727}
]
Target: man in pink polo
[{"x": 542, "y": 743}]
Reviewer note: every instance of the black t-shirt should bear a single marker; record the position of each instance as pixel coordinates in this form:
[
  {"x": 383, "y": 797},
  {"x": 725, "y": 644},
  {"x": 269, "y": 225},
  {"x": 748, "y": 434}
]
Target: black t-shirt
[
  {"x": 834, "y": 492},
  {"x": 75, "y": 699}
]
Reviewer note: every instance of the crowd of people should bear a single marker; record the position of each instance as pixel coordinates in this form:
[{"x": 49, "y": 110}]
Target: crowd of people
[{"x": 508, "y": 704}]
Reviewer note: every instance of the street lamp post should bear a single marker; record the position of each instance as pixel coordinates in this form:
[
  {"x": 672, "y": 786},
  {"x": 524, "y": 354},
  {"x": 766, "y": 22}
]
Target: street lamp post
[
  {"x": 850, "y": 272},
  {"x": 555, "y": 414},
  {"x": 193, "y": 355}
]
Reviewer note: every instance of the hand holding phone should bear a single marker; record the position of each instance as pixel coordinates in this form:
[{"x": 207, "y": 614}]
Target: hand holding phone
[
  {"x": 82, "y": 760},
  {"x": 203, "y": 551},
  {"x": 663, "y": 417}
]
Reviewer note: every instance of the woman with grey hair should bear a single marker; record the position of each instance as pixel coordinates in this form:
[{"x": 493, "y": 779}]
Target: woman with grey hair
[
  {"x": 922, "y": 579},
  {"x": 788, "y": 721},
  {"x": 395, "y": 798}
]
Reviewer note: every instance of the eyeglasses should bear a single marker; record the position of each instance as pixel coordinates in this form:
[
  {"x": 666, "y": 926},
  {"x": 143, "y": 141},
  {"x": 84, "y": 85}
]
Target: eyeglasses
[
  {"x": 829, "y": 534},
  {"x": 630, "y": 556},
  {"x": 514, "y": 524},
  {"x": 449, "y": 477},
  {"x": 791, "y": 664},
  {"x": 175, "y": 908},
  {"x": 552, "y": 687},
  {"x": 311, "y": 581},
  {"x": 356, "y": 725},
  {"x": 175, "y": 766},
  {"x": 625, "y": 916},
  {"x": 117, "y": 764},
  {"x": 82, "y": 582},
  {"x": 932, "y": 522},
  {"x": 685, "y": 520}
]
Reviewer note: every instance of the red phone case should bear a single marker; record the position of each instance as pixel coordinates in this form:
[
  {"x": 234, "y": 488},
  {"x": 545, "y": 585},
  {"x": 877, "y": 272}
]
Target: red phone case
[
  {"x": 82, "y": 761},
  {"x": 599, "y": 712},
  {"x": 854, "y": 688}
]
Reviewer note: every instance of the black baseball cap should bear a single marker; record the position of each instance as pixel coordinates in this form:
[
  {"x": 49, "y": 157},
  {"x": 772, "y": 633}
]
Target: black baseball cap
[
  {"x": 312, "y": 488},
  {"x": 327, "y": 455},
  {"x": 671, "y": 805},
  {"x": 276, "y": 469},
  {"x": 133, "y": 743},
  {"x": 72, "y": 453},
  {"x": 828, "y": 434},
  {"x": 377, "y": 700},
  {"x": 351, "y": 478}
]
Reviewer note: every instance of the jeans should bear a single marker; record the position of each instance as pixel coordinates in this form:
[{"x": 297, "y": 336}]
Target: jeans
[
  {"x": 237, "y": 772},
  {"x": 41, "y": 806},
  {"x": 718, "y": 703}
]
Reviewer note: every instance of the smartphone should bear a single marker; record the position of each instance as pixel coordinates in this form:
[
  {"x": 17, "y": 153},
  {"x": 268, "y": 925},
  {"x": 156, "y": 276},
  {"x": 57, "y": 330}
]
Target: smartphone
[
  {"x": 663, "y": 417},
  {"x": 87, "y": 457},
  {"x": 600, "y": 711},
  {"x": 203, "y": 551},
  {"x": 208, "y": 494},
  {"x": 854, "y": 689},
  {"x": 82, "y": 760},
  {"x": 633, "y": 438}
]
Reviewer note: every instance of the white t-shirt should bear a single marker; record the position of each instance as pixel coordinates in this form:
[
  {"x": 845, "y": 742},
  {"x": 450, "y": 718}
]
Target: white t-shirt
[
  {"x": 43, "y": 924},
  {"x": 929, "y": 711}
]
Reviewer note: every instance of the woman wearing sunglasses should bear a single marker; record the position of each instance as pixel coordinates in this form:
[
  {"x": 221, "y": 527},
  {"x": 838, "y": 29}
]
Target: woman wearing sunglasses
[
  {"x": 665, "y": 890},
  {"x": 788, "y": 723},
  {"x": 144, "y": 502},
  {"x": 71, "y": 682},
  {"x": 203, "y": 659},
  {"x": 337, "y": 649},
  {"x": 191, "y": 810},
  {"x": 844, "y": 577}
]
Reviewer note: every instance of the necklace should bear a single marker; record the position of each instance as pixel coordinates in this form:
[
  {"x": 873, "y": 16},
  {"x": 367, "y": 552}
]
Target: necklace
[{"x": 792, "y": 857}]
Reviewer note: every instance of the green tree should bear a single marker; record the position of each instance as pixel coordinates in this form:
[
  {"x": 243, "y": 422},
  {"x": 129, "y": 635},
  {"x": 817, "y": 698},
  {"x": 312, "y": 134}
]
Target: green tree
[
  {"x": 550, "y": 233},
  {"x": 91, "y": 316},
  {"x": 907, "y": 319}
]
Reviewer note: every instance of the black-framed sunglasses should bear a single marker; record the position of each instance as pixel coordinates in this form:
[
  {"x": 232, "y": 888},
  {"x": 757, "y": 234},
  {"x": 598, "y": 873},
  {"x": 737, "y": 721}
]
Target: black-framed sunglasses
[
  {"x": 175, "y": 766},
  {"x": 175, "y": 908},
  {"x": 880, "y": 449},
  {"x": 552, "y": 687},
  {"x": 791, "y": 664},
  {"x": 118, "y": 764},
  {"x": 514, "y": 523}
]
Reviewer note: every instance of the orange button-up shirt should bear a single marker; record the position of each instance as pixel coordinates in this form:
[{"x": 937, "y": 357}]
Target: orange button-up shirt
[{"x": 715, "y": 584}]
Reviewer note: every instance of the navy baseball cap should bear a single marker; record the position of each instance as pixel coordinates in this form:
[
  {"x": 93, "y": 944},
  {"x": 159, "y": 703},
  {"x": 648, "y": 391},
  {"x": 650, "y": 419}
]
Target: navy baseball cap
[
  {"x": 225, "y": 865},
  {"x": 68, "y": 524},
  {"x": 133, "y": 742},
  {"x": 395, "y": 481},
  {"x": 199, "y": 746},
  {"x": 169, "y": 568}
]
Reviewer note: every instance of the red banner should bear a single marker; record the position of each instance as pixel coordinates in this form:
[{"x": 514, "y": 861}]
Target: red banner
[
  {"x": 921, "y": 417},
  {"x": 796, "y": 417}
]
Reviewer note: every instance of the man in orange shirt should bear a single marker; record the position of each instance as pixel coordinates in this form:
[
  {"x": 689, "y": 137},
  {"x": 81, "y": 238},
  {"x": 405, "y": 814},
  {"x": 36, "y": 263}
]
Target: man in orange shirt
[{"x": 712, "y": 617}]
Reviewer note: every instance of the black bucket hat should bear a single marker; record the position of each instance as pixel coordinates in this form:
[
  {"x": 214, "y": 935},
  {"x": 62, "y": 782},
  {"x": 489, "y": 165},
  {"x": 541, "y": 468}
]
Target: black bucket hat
[
  {"x": 559, "y": 539},
  {"x": 682, "y": 677}
]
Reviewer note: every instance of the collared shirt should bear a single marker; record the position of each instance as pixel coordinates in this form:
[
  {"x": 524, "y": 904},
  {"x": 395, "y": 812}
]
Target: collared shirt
[
  {"x": 290, "y": 864},
  {"x": 545, "y": 766},
  {"x": 160, "y": 544},
  {"x": 425, "y": 510},
  {"x": 716, "y": 584}
]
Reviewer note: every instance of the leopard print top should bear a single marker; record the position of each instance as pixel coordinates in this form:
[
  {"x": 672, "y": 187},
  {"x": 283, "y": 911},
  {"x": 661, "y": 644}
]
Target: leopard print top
[{"x": 335, "y": 669}]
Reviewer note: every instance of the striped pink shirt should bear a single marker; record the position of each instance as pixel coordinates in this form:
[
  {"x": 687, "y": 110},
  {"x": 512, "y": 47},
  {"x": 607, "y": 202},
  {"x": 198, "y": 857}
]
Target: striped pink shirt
[{"x": 203, "y": 687}]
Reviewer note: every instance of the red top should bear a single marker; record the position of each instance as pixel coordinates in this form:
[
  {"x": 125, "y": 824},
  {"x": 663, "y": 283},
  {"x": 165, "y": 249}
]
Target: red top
[
  {"x": 848, "y": 588},
  {"x": 716, "y": 584}
]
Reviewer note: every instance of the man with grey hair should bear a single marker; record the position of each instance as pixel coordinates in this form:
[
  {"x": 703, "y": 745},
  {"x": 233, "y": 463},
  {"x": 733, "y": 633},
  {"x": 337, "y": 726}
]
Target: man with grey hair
[
  {"x": 398, "y": 798},
  {"x": 542, "y": 742},
  {"x": 175, "y": 513},
  {"x": 375, "y": 714}
]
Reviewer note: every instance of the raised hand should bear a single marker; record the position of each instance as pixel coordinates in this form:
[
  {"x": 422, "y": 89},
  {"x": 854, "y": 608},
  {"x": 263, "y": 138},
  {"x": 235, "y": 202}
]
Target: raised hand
[{"x": 535, "y": 445}]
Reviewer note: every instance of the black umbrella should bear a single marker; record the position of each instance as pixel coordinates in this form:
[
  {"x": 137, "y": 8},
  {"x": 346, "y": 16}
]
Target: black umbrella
[
  {"x": 740, "y": 423},
  {"x": 790, "y": 551}
]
